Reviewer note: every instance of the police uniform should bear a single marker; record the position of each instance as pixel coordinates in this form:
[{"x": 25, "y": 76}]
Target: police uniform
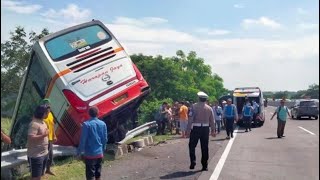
[{"x": 201, "y": 119}]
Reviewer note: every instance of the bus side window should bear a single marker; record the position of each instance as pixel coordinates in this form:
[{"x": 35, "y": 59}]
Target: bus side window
[
  {"x": 32, "y": 94},
  {"x": 40, "y": 77}
]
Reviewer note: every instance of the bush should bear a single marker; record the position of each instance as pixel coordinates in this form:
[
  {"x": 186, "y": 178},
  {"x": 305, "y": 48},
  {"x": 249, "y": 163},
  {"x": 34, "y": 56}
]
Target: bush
[{"x": 148, "y": 109}]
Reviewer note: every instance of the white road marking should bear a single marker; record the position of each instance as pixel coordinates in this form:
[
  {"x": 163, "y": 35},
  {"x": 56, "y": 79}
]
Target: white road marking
[
  {"x": 306, "y": 130},
  {"x": 217, "y": 170}
]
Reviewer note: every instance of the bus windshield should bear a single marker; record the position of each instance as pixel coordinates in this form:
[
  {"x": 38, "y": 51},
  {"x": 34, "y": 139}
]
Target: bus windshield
[{"x": 76, "y": 42}]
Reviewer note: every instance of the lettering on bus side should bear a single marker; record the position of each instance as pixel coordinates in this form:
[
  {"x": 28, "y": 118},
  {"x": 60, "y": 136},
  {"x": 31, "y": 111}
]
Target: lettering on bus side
[
  {"x": 114, "y": 68},
  {"x": 75, "y": 82},
  {"x": 104, "y": 75}
]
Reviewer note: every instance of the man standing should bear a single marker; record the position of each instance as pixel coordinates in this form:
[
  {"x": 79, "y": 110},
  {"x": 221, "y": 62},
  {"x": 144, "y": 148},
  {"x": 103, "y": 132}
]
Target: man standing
[
  {"x": 93, "y": 142},
  {"x": 202, "y": 117},
  {"x": 230, "y": 114},
  {"x": 183, "y": 118},
  {"x": 52, "y": 135},
  {"x": 162, "y": 119},
  {"x": 282, "y": 112},
  {"x": 217, "y": 112},
  {"x": 37, "y": 143},
  {"x": 255, "y": 110},
  {"x": 247, "y": 115}
]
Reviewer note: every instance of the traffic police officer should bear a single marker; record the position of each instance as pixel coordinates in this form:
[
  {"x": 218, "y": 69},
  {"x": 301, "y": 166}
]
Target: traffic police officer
[{"x": 198, "y": 127}]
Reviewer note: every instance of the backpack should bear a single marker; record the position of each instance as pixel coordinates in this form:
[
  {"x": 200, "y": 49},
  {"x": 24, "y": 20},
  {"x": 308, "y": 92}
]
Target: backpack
[{"x": 157, "y": 116}]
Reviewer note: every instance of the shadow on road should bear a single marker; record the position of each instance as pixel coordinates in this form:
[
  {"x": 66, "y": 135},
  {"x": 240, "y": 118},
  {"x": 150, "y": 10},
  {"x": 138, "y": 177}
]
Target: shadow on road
[
  {"x": 240, "y": 132},
  {"x": 179, "y": 174},
  {"x": 219, "y": 139},
  {"x": 272, "y": 138},
  {"x": 304, "y": 119}
]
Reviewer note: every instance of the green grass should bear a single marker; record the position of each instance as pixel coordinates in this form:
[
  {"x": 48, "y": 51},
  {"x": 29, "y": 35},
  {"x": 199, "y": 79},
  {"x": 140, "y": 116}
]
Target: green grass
[
  {"x": 159, "y": 138},
  {"x": 5, "y": 125},
  {"x": 74, "y": 169},
  {"x": 68, "y": 168}
]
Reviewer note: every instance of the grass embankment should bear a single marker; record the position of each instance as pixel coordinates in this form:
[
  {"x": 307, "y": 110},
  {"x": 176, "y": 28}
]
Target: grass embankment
[
  {"x": 73, "y": 169},
  {"x": 70, "y": 167}
]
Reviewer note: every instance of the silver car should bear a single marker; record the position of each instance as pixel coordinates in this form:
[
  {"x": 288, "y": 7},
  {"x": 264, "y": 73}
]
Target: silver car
[{"x": 305, "y": 108}]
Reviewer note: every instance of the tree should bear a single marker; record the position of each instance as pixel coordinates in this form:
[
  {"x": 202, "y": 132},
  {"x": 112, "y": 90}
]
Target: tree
[
  {"x": 177, "y": 78},
  {"x": 15, "y": 56}
]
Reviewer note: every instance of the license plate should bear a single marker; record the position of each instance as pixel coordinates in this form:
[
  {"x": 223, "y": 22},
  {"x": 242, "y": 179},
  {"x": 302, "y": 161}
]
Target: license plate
[{"x": 120, "y": 98}]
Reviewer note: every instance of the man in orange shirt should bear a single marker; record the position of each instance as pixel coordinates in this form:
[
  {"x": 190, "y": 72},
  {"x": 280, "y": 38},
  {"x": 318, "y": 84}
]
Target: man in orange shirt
[
  {"x": 52, "y": 136},
  {"x": 183, "y": 117}
]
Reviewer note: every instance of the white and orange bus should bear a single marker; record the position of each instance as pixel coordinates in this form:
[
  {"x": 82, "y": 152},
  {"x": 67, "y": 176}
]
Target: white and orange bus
[{"x": 78, "y": 67}]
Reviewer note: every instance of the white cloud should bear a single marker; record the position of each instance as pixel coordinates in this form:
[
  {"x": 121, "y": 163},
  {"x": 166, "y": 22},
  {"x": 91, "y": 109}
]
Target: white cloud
[
  {"x": 20, "y": 7},
  {"x": 238, "y": 6},
  {"x": 234, "y": 59},
  {"x": 72, "y": 14},
  {"x": 213, "y": 32},
  {"x": 140, "y": 22},
  {"x": 308, "y": 26},
  {"x": 302, "y": 11},
  {"x": 262, "y": 21},
  {"x": 141, "y": 34}
]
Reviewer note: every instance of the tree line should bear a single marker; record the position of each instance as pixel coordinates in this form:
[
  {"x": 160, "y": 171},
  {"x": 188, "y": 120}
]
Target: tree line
[
  {"x": 312, "y": 92},
  {"x": 170, "y": 78}
]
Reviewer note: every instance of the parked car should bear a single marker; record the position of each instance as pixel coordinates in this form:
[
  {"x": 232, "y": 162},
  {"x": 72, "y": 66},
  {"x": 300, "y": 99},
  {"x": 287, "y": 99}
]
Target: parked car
[{"x": 304, "y": 108}]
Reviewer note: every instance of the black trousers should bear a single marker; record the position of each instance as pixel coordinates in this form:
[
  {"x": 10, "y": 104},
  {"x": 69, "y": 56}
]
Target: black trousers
[
  {"x": 201, "y": 133},
  {"x": 229, "y": 126},
  {"x": 93, "y": 168},
  {"x": 247, "y": 122},
  {"x": 50, "y": 155},
  {"x": 280, "y": 129},
  {"x": 161, "y": 127}
]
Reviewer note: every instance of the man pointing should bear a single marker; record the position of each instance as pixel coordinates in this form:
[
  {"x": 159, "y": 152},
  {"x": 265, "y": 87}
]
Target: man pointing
[{"x": 198, "y": 128}]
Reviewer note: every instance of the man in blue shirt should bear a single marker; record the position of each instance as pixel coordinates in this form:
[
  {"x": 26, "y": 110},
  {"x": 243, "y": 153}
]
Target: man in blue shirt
[
  {"x": 255, "y": 106},
  {"x": 282, "y": 112},
  {"x": 93, "y": 142},
  {"x": 230, "y": 114},
  {"x": 247, "y": 111}
]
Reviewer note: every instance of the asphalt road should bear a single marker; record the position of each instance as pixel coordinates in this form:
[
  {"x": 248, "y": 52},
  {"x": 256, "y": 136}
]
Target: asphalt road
[{"x": 258, "y": 154}]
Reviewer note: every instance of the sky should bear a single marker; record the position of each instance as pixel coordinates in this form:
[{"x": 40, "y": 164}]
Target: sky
[{"x": 271, "y": 44}]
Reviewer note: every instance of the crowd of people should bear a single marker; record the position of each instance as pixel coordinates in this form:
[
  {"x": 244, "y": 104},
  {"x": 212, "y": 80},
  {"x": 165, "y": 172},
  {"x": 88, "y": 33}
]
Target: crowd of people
[
  {"x": 41, "y": 137},
  {"x": 190, "y": 120},
  {"x": 174, "y": 118}
]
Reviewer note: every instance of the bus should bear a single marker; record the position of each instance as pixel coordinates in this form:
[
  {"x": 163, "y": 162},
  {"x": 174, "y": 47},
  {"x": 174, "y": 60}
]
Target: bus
[
  {"x": 81, "y": 66},
  {"x": 251, "y": 93}
]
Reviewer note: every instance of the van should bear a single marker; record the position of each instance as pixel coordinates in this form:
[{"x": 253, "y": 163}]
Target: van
[{"x": 253, "y": 94}]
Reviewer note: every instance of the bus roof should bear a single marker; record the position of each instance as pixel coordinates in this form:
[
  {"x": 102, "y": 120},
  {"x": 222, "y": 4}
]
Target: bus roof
[
  {"x": 64, "y": 31},
  {"x": 247, "y": 92}
]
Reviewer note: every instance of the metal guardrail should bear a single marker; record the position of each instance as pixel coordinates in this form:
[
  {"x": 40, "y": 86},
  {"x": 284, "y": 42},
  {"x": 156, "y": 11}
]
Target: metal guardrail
[
  {"x": 138, "y": 130},
  {"x": 17, "y": 157}
]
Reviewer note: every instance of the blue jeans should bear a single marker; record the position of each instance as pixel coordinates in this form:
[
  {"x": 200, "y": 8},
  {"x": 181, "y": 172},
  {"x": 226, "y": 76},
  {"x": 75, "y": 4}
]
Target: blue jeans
[
  {"x": 218, "y": 125},
  {"x": 37, "y": 165}
]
